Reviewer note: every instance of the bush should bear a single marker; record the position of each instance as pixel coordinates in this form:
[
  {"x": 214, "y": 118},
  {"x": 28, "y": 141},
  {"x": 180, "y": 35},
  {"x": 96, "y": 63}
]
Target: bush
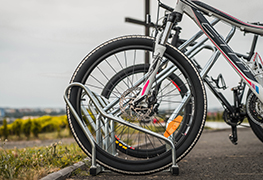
[
  {"x": 17, "y": 127},
  {"x": 36, "y": 127},
  {"x": 5, "y": 129},
  {"x": 26, "y": 128},
  {"x": 48, "y": 127},
  {"x": 39, "y": 125},
  {"x": 1, "y": 131},
  {"x": 51, "y": 124}
]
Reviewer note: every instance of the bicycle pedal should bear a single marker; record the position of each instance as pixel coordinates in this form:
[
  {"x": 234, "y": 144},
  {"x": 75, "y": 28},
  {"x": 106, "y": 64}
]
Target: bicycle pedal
[
  {"x": 232, "y": 139},
  {"x": 233, "y": 136}
]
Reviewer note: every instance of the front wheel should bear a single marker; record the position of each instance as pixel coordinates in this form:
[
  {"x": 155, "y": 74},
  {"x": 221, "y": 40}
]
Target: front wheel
[{"x": 99, "y": 72}]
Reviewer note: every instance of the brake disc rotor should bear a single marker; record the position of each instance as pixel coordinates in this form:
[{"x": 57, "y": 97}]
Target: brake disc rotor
[
  {"x": 134, "y": 112},
  {"x": 255, "y": 109}
]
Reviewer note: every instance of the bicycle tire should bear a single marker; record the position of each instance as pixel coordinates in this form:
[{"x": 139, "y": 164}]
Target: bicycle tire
[
  {"x": 256, "y": 128},
  {"x": 86, "y": 70}
]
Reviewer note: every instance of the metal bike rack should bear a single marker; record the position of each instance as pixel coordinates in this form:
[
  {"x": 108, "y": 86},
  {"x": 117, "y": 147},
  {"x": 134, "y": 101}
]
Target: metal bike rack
[{"x": 99, "y": 102}]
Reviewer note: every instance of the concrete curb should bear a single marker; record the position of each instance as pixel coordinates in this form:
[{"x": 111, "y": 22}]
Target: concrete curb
[{"x": 66, "y": 172}]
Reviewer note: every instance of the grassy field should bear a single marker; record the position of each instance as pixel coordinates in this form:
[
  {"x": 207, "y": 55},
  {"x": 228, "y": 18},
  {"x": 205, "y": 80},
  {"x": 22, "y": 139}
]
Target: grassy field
[
  {"x": 64, "y": 133},
  {"x": 35, "y": 163}
]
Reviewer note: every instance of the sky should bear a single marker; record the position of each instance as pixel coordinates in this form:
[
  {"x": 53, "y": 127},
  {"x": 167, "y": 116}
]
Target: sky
[{"x": 43, "y": 41}]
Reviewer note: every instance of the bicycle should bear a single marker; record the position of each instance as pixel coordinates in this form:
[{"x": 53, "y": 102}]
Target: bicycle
[{"x": 135, "y": 118}]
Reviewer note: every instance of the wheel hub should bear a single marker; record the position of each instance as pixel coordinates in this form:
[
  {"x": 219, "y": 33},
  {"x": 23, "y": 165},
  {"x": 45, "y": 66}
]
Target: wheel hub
[{"x": 135, "y": 112}]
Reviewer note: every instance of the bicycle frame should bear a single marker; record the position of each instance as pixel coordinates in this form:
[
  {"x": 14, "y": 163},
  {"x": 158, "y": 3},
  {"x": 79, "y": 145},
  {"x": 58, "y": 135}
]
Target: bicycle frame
[{"x": 194, "y": 9}]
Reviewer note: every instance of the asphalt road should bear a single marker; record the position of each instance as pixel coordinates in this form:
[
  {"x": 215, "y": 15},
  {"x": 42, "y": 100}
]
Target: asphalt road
[{"x": 214, "y": 157}]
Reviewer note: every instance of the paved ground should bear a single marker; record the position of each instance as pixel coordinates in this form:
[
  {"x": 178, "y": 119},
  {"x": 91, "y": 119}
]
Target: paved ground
[{"x": 214, "y": 157}]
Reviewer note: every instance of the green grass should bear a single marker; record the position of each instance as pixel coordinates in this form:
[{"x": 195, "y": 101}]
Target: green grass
[{"x": 37, "y": 162}]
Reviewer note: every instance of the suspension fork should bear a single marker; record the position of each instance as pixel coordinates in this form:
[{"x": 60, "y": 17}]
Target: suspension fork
[{"x": 159, "y": 50}]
